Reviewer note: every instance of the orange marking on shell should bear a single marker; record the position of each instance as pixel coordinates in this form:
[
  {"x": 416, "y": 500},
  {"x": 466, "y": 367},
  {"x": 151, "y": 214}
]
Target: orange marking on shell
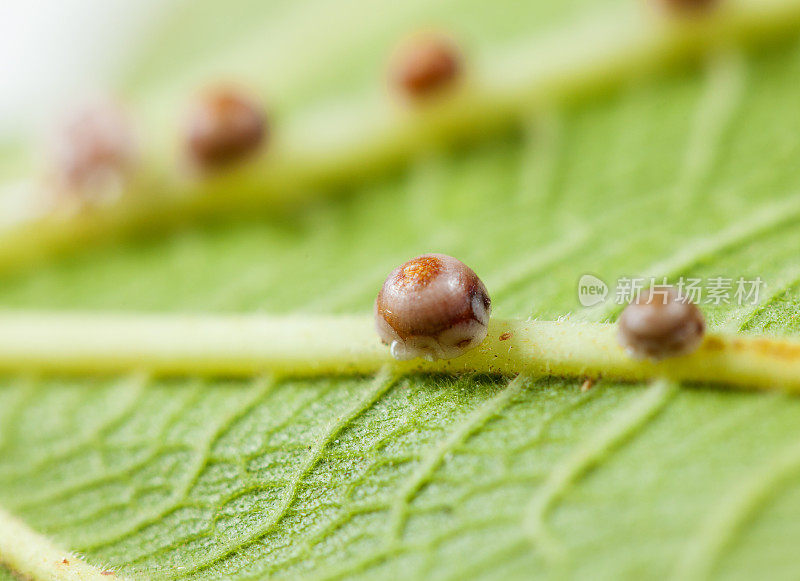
[{"x": 419, "y": 272}]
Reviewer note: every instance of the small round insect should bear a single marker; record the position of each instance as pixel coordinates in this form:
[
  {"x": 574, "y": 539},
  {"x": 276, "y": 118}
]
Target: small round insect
[
  {"x": 224, "y": 126},
  {"x": 93, "y": 151},
  {"x": 687, "y": 7},
  {"x": 660, "y": 323},
  {"x": 433, "y": 306},
  {"x": 424, "y": 65}
]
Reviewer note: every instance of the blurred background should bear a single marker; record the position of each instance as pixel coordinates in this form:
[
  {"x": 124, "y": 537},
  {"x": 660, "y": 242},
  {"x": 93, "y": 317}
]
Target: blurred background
[
  {"x": 56, "y": 51},
  {"x": 672, "y": 171}
]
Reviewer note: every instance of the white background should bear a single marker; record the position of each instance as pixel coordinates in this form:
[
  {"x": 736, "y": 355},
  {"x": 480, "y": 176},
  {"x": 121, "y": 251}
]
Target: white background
[{"x": 54, "y": 51}]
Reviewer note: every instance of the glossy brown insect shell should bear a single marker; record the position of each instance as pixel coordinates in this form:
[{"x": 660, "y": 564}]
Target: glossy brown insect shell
[
  {"x": 424, "y": 64},
  {"x": 224, "y": 126},
  {"x": 660, "y": 323},
  {"x": 433, "y": 306}
]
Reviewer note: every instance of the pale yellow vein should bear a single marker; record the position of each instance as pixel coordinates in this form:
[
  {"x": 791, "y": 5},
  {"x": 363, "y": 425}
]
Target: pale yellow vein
[
  {"x": 25, "y": 388},
  {"x": 725, "y": 84},
  {"x": 588, "y": 453},
  {"x": 569, "y": 62},
  {"x": 247, "y": 345},
  {"x": 739, "y": 319},
  {"x": 36, "y": 557},
  {"x": 380, "y": 385},
  {"x": 64, "y": 490},
  {"x": 522, "y": 268},
  {"x": 695, "y": 252},
  {"x": 200, "y": 457},
  {"x": 503, "y": 557},
  {"x": 130, "y": 389},
  {"x": 737, "y": 506},
  {"x": 716, "y": 428},
  {"x": 542, "y": 158},
  {"x": 436, "y": 456}
]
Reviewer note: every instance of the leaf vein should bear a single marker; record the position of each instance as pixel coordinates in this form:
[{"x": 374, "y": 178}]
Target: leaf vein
[{"x": 588, "y": 453}]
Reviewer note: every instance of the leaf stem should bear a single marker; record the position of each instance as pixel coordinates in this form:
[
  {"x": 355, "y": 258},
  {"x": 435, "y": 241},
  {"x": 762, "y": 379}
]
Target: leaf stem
[
  {"x": 36, "y": 557},
  {"x": 349, "y": 143},
  {"x": 245, "y": 345}
]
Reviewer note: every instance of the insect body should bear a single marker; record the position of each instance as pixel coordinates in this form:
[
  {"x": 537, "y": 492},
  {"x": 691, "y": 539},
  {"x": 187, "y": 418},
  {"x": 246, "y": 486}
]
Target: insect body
[
  {"x": 433, "y": 306},
  {"x": 93, "y": 151},
  {"x": 224, "y": 126},
  {"x": 660, "y": 323},
  {"x": 424, "y": 65}
]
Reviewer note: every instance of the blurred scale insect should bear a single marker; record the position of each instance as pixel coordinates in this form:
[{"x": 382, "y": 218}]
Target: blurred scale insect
[
  {"x": 660, "y": 323},
  {"x": 424, "y": 64},
  {"x": 687, "y": 7},
  {"x": 92, "y": 153},
  {"x": 433, "y": 306},
  {"x": 224, "y": 125}
]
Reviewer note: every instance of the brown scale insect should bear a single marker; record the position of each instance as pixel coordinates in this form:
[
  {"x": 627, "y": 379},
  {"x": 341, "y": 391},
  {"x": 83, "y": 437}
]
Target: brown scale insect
[
  {"x": 424, "y": 65},
  {"x": 688, "y": 7},
  {"x": 433, "y": 306},
  {"x": 224, "y": 126},
  {"x": 93, "y": 150},
  {"x": 660, "y": 323}
]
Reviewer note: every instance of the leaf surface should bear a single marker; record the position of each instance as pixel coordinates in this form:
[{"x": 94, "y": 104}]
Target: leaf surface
[{"x": 688, "y": 172}]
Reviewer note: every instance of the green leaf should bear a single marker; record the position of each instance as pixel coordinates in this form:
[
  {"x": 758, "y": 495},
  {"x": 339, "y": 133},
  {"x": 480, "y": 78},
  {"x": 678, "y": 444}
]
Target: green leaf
[{"x": 684, "y": 172}]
